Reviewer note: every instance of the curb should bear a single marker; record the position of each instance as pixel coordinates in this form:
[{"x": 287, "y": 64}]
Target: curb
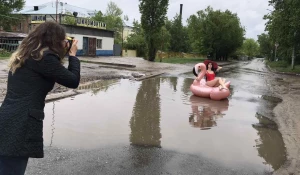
[
  {"x": 105, "y": 63},
  {"x": 283, "y": 73}
]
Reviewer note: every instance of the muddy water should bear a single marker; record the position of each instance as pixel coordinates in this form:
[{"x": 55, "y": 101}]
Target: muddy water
[{"x": 162, "y": 113}]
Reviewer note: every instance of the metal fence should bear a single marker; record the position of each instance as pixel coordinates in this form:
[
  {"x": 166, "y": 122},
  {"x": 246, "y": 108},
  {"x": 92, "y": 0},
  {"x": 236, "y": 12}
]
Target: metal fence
[{"x": 9, "y": 44}]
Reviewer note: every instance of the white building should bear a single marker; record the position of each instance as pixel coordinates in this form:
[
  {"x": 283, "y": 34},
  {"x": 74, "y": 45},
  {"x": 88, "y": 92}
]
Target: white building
[
  {"x": 93, "y": 38},
  {"x": 92, "y": 41}
]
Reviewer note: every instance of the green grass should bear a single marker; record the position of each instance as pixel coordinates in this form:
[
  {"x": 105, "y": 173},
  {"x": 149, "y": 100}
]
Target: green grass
[
  {"x": 4, "y": 58},
  {"x": 282, "y": 66},
  {"x": 180, "y": 60}
]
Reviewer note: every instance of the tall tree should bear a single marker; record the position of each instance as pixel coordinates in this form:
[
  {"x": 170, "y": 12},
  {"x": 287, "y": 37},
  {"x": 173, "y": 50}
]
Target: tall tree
[
  {"x": 283, "y": 27},
  {"x": 153, "y": 15},
  {"x": 7, "y": 19},
  {"x": 215, "y": 32}
]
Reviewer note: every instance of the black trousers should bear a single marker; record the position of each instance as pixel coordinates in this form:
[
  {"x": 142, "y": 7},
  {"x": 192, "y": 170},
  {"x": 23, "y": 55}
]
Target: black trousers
[{"x": 13, "y": 165}]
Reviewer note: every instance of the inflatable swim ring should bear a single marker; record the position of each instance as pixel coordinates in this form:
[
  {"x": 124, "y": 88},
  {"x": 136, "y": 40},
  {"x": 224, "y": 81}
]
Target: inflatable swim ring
[{"x": 199, "y": 88}]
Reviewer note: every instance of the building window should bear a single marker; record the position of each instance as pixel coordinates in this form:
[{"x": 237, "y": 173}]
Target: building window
[{"x": 99, "y": 43}]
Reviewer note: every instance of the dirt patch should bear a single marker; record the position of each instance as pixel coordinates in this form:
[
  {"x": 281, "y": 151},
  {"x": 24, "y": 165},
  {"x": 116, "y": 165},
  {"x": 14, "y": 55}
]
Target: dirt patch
[{"x": 287, "y": 115}]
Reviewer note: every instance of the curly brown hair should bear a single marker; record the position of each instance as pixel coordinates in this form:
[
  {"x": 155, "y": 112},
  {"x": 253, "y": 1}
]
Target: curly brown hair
[{"x": 48, "y": 35}]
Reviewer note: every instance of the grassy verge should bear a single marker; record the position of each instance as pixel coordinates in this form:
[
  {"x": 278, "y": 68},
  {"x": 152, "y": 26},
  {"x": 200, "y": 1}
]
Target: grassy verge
[
  {"x": 180, "y": 60},
  {"x": 282, "y": 66},
  {"x": 4, "y": 55}
]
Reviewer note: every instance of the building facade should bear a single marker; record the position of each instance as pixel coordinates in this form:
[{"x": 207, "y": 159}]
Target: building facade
[
  {"x": 93, "y": 38},
  {"x": 92, "y": 42}
]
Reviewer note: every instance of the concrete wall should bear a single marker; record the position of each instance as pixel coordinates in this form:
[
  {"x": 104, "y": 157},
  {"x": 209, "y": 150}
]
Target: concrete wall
[
  {"x": 129, "y": 53},
  {"x": 107, "y": 44}
]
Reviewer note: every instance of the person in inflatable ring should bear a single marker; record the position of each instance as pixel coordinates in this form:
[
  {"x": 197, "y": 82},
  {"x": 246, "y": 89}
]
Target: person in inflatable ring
[{"x": 210, "y": 75}]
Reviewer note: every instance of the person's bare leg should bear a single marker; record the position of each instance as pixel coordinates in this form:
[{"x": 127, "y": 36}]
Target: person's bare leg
[
  {"x": 222, "y": 83},
  {"x": 213, "y": 83}
]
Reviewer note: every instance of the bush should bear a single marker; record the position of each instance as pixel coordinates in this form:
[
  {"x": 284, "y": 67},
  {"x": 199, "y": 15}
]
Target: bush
[{"x": 4, "y": 53}]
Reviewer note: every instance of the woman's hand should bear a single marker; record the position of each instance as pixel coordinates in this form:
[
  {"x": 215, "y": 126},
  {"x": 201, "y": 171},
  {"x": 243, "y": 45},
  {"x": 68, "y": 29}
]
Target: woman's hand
[
  {"x": 74, "y": 48},
  {"x": 198, "y": 79}
]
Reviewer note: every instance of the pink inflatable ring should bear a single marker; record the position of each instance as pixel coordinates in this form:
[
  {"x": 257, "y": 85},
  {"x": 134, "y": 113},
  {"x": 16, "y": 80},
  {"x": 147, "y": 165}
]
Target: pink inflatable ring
[{"x": 199, "y": 88}]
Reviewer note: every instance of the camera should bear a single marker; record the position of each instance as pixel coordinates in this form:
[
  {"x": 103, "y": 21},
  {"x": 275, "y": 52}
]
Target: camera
[{"x": 70, "y": 41}]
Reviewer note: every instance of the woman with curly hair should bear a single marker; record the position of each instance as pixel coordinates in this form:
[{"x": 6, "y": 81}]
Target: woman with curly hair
[{"x": 34, "y": 69}]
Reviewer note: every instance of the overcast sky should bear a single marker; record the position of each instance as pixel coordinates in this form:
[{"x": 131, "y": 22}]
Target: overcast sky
[{"x": 250, "y": 12}]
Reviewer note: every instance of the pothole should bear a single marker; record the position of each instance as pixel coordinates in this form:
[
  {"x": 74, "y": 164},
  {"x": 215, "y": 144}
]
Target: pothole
[
  {"x": 271, "y": 98},
  {"x": 264, "y": 122}
]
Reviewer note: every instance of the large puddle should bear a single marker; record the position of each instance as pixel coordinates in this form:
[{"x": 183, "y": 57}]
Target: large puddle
[{"x": 162, "y": 112}]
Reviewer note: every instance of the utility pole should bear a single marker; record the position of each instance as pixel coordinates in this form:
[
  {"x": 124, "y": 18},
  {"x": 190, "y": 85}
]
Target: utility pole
[{"x": 56, "y": 9}]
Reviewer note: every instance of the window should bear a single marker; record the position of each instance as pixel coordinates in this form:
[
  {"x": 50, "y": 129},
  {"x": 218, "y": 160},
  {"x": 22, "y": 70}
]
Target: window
[{"x": 99, "y": 43}]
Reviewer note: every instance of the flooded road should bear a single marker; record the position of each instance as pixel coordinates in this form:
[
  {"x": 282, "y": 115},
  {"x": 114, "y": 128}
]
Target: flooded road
[{"x": 158, "y": 127}]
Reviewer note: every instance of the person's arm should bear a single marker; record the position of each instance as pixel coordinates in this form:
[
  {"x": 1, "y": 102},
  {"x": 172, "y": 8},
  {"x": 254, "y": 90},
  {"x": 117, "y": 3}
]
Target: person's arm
[
  {"x": 52, "y": 68},
  {"x": 219, "y": 68}
]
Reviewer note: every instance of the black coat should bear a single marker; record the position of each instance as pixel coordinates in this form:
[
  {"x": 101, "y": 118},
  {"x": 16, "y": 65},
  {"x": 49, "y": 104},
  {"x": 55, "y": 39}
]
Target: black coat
[{"x": 22, "y": 111}]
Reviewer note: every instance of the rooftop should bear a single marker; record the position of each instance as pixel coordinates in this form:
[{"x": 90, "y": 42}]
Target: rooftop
[{"x": 50, "y": 9}]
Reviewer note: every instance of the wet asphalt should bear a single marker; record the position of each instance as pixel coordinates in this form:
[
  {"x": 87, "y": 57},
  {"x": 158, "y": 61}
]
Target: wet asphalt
[{"x": 144, "y": 150}]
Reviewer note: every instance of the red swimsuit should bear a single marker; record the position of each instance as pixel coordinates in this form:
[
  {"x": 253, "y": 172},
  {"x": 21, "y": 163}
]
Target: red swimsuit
[{"x": 209, "y": 76}]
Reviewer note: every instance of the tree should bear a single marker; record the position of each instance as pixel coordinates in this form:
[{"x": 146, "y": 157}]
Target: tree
[
  {"x": 69, "y": 19},
  {"x": 179, "y": 37},
  {"x": 283, "y": 27},
  {"x": 250, "y": 47},
  {"x": 113, "y": 20},
  {"x": 136, "y": 40},
  {"x": 265, "y": 45},
  {"x": 153, "y": 15},
  {"x": 215, "y": 32},
  {"x": 7, "y": 19}
]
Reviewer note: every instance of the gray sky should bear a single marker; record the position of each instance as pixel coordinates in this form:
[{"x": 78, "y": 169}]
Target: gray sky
[{"x": 250, "y": 12}]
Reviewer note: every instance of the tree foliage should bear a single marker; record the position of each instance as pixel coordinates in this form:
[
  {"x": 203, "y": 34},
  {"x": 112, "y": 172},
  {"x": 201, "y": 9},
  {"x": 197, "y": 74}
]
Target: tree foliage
[
  {"x": 179, "y": 37},
  {"x": 69, "y": 19},
  {"x": 113, "y": 20},
  {"x": 250, "y": 47},
  {"x": 153, "y": 15},
  {"x": 136, "y": 40},
  {"x": 283, "y": 26},
  {"x": 265, "y": 45},
  {"x": 215, "y": 32},
  {"x": 8, "y": 19}
]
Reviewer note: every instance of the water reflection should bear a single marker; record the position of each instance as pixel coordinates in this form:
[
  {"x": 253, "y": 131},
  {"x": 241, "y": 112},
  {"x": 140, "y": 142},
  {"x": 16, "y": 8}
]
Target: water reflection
[
  {"x": 185, "y": 88},
  {"x": 145, "y": 120},
  {"x": 270, "y": 144},
  {"x": 205, "y": 112},
  {"x": 98, "y": 86}
]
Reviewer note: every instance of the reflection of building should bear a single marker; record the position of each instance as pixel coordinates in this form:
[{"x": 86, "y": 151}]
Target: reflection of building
[
  {"x": 145, "y": 120},
  {"x": 93, "y": 38},
  {"x": 206, "y": 111}
]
